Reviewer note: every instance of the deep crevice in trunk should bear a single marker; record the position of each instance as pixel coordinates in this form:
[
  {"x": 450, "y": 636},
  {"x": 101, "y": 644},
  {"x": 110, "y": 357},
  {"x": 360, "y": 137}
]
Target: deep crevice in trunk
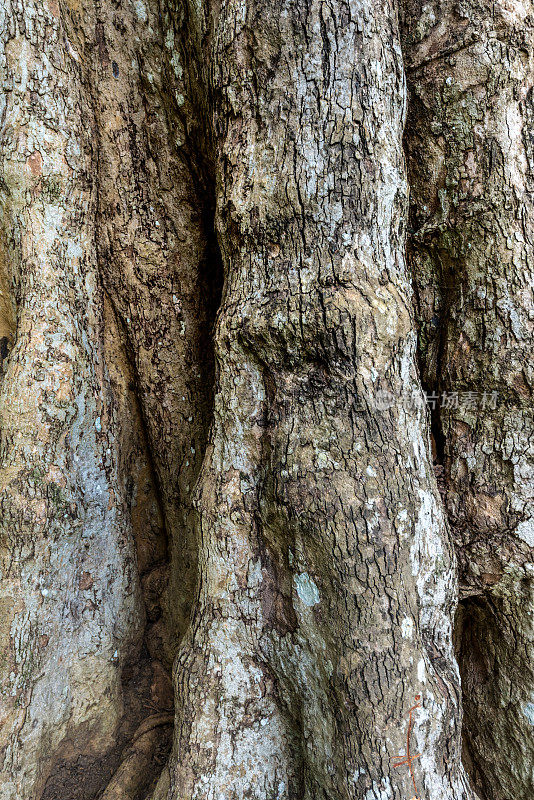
[
  {"x": 469, "y": 168},
  {"x": 436, "y": 281},
  {"x": 130, "y": 769}
]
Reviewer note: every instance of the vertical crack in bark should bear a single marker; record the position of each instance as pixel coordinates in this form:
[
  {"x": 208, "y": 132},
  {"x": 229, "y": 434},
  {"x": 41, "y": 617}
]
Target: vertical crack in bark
[
  {"x": 161, "y": 267},
  {"x": 326, "y": 575},
  {"x": 7, "y": 305},
  {"x": 154, "y": 253},
  {"x": 470, "y": 73},
  {"x": 317, "y": 620},
  {"x": 153, "y": 231}
]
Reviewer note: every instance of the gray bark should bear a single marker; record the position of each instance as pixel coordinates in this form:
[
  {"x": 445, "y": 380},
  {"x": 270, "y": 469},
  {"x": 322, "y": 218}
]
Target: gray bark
[
  {"x": 469, "y": 140},
  {"x": 240, "y": 489},
  {"x": 70, "y": 595},
  {"x": 327, "y": 580}
]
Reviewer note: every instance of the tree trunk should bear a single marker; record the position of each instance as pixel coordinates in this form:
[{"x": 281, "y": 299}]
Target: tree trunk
[
  {"x": 72, "y": 615},
  {"x": 242, "y": 486},
  {"x": 469, "y": 140},
  {"x": 327, "y": 579}
]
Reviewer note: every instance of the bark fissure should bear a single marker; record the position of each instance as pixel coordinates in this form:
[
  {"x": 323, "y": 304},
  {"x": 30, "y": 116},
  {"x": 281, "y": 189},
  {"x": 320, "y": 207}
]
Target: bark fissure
[
  {"x": 216, "y": 476},
  {"x": 294, "y": 567},
  {"x": 468, "y": 143},
  {"x": 150, "y": 424}
]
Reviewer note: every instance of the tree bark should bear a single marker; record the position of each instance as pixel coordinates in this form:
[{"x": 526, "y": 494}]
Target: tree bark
[
  {"x": 327, "y": 578},
  {"x": 159, "y": 263},
  {"x": 72, "y": 615},
  {"x": 255, "y": 500},
  {"x": 469, "y": 141}
]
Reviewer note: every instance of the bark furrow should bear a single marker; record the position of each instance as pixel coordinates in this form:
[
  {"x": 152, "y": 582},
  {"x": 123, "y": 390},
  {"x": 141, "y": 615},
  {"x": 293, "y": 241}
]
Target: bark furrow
[
  {"x": 469, "y": 139},
  {"x": 254, "y": 501},
  {"x": 327, "y": 580}
]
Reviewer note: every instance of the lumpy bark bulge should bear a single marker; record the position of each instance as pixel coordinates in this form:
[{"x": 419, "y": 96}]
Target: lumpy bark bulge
[{"x": 226, "y": 567}]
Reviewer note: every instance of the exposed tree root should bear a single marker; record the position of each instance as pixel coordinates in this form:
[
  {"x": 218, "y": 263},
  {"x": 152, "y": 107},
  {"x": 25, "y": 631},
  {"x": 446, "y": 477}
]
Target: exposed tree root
[{"x": 129, "y": 782}]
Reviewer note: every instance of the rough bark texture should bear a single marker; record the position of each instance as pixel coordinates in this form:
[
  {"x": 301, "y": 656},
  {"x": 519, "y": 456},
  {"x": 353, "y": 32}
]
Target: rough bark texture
[
  {"x": 327, "y": 579},
  {"x": 469, "y": 139},
  {"x": 158, "y": 262},
  {"x": 84, "y": 516},
  {"x": 72, "y": 617},
  {"x": 255, "y": 501}
]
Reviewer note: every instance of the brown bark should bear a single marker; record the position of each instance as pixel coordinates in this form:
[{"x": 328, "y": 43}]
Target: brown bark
[
  {"x": 327, "y": 579},
  {"x": 158, "y": 262},
  {"x": 471, "y": 74},
  {"x": 258, "y": 503}
]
